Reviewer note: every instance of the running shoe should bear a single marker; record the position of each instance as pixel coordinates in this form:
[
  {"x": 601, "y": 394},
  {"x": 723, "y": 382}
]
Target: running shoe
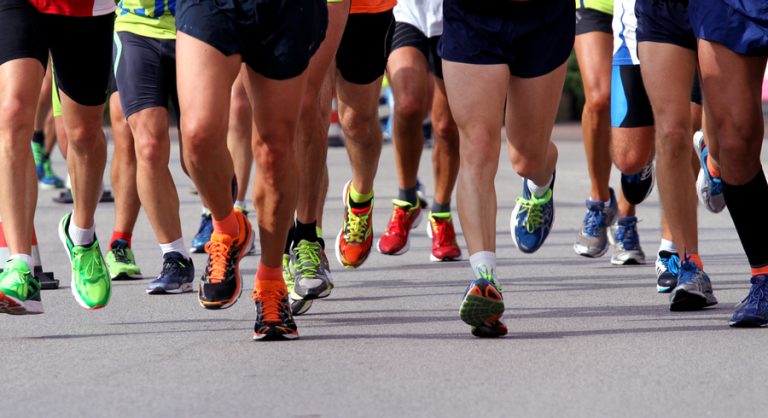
[
  {"x": 273, "y": 313},
  {"x": 532, "y": 219},
  {"x": 47, "y": 179},
  {"x": 422, "y": 195},
  {"x": 19, "y": 290},
  {"x": 405, "y": 217},
  {"x": 483, "y": 305},
  {"x": 312, "y": 280},
  {"x": 667, "y": 269},
  {"x": 91, "y": 284},
  {"x": 753, "y": 310},
  {"x": 708, "y": 188},
  {"x": 355, "y": 239},
  {"x": 693, "y": 290},
  {"x": 176, "y": 277},
  {"x": 298, "y": 305},
  {"x": 636, "y": 187},
  {"x": 121, "y": 262},
  {"x": 627, "y": 249},
  {"x": 252, "y": 249},
  {"x": 203, "y": 234},
  {"x": 66, "y": 197},
  {"x": 38, "y": 154},
  {"x": 592, "y": 240},
  {"x": 221, "y": 284},
  {"x": 444, "y": 245}
]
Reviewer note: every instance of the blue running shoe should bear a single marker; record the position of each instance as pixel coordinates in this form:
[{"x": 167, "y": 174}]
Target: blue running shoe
[
  {"x": 753, "y": 310},
  {"x": 627, "y": 249},
  {"x": 532, "y": 219},
  {"x": 667, "y": 269},
  {"x": 483, "y": 306},
  {"x": 592, "y": 239},
  {"x": 709, "y": 189},
  {"x": 636, "y": 187},
  {"x": 203, "y": 234},
  {"x": 693, "y": 290},
  {"x": 177, "y": 275}
]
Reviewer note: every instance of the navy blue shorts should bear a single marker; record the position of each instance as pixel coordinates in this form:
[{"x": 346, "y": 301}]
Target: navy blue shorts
[
  {"x": 664, "y": 21},
  {"x": 532, "y": 38},
  {"x": 741, "y": 26},
  {"x": 276, "y": 38}
]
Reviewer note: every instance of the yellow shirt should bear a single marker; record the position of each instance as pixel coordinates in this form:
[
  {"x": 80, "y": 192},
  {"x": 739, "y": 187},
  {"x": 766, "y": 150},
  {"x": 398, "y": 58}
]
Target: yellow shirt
[{"x": 605, "y": 6}]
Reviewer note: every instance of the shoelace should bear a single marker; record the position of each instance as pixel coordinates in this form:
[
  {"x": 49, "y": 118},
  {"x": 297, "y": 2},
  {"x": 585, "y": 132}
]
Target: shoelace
[
  {"x": 121, "y": 255},
  {"x": 308, "y": 258},
  {"x": 485, "y": 272},
  {"x": 672, "y": 264},
  {"x": 357, "y": 225},
  {"x": 627, "y": 235},
  {"x": 398, "y": 222},
  {"x": 442, "y": 233},
  {"x": 173, "y": 267},
  {"x": 271, "y": 304},
  {"x": 217, "y": 267},
  {"x": 533, "y": 214},
  {"x": 593, "y": 220}
]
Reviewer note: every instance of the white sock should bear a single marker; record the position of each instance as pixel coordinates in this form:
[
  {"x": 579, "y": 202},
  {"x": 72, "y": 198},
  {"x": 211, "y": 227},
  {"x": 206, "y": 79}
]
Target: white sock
[
  {"x": 81, "y": 236},
  {"x": 25, "y": 258},
  {"x": 539, "y": 191},
  {"x": 241, "y": 204},
  {"x": 486, "y": 258},
  {"x": 69, "y": 182},
  {"x": 175, "y": 246},
  {"x": 667, "y": 245},
  {"x": 205, "y": 211}
]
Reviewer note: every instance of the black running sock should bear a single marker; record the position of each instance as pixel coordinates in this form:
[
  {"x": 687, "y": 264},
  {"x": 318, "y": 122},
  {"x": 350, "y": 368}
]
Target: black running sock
[
  {"x": 747, "y": 204},
  {"x": 360, "y": 205},
  {"x": 289, "y": 241},
  {"x": 234, "y": 189},
  {"x": 441, "y": 207},
  {"x": 409, "y": 195},
  {"x": 322, "y": 242},
  {"x": 38, "y": 137},
  {"x": 307, "y": 232}
]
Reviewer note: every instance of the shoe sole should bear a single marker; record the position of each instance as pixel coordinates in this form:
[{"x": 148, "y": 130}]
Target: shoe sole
[
  {"x": 701, "y": 181},
  {"x": 12, "y": 306},
  {"x": 584, "y": 251},
  {"x": 634, "y": 261},
  {"x": 127, "y": 277},
  {"x": 184, "y": 288},
  {"x": 43, "y": 186},
  {"x": 239, "y": 278},
  {"x": 663, "y": 289},
  {"x": 748, "y": 322},
  {"x": 72, "y": 287},
  {"x": 476, "y": 310},
  {"x": 273, "y": 337},
  {"x": 683, "y": 300},
  {"x": 300, "y": 306},
  {"x": 313, "y": 294},
  {"x": 197, "y": 250}
]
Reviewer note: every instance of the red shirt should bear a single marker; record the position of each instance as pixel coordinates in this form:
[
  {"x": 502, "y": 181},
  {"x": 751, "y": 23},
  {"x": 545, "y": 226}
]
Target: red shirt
[
  {"x": 372, "y": 6},
  {"x": 77, "y": 8}
]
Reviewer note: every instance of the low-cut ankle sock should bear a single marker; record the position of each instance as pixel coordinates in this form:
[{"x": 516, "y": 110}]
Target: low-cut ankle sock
[
  {"x": 265, "y": 273},
  {"x": 438, "y": 207},
  {"x": 714, "y": 171},
  {"x": 695, "y": 258},
  {"x": 747, "y": 204},
  {"x": 306, "y": 232},
  {"x": 38, "y": 137},
  {"x": 409, "y": 195},
  {"x": 668, "y": 246},
  {"x": 359, "y": 200},
  {"x": 82, "y": 237},
  {"x": 539, "y": 191},
  {"x": 26, "y": 258},
  {"x": 175, "y": 247},
  {"x": 289, "y": 240},
  {"x": 228, "y": 225},
  {"x": 120, "y": 235},
  {"x": 486, "y": 258},
  {"x": 242, "y": 205}
]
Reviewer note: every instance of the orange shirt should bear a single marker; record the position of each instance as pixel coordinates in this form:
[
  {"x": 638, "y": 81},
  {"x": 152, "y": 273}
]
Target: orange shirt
[{"x": 372, "y": 6}]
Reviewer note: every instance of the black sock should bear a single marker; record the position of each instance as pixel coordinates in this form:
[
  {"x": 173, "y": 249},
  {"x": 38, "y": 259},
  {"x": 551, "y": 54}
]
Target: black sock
[
  {"x": 409, "y": 195},
  {"x": 234, "y": 189},
  {"x": 747, "y": 204},
  {"x": 289, "y": 241},
  {"x": 440, "y": 207},
  {"x": 38, "y": 137},
  {"x": 307, "y": 232}
]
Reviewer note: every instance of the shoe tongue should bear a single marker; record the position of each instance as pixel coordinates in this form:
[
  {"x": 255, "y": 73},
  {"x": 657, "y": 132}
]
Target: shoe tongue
[
  {"x": 222, "y": 238},
  {"x": 119, "y": 243},
  {"x": 359, "y": 212}
]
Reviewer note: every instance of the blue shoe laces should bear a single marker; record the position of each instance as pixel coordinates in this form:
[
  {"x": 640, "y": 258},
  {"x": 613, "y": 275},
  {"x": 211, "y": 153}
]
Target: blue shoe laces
[
  {"x": 627, "y": 235},
  {"x": 593, "y": 220}
]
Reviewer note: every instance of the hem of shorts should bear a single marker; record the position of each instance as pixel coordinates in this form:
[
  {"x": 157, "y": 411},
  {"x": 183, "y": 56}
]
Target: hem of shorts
[
  {"x": 136, "y": 108},
  {"x": 19, "y": 56},
  {"x": 200, "y": 37},
  {"x": 693, "y": 48},
  {"x": 591, "y": 30},
  {"x": 739, "y": 51}
]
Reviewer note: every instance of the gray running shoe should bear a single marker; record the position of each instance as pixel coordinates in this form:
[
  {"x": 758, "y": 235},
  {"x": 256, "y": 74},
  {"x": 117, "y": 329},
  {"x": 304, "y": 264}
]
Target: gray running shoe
[
  {"x": 709, "y": 189},
  {"x": 312, "y": 278},
  {"x": 592, "y": 239},
  {"x": 298, "y": 305},
  {"x": 693, "y": 290},
  {"x": 627, "y": 249}
]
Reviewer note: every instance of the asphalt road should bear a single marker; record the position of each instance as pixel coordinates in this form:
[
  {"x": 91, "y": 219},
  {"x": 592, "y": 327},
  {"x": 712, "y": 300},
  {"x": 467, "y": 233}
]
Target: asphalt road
[{"x": 586, "y": 338}]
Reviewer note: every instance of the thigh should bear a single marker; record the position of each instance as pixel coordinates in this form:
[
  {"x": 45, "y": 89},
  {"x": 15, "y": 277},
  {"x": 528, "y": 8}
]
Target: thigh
[
  {"x": 408, "y": 74},
  {"x": 276, "y": 108},
  {"x": 532, "y": 108},
  {"x": 365, "y": 47},
  {"x": 359, "y": 102},
  {"x": 476, "y": 94},
  {"x": 668, "y": 72},
  {"x": 593, "y": 51},
  {"x": 22, "y": 32},
  {"x": 142, "y": 75}
]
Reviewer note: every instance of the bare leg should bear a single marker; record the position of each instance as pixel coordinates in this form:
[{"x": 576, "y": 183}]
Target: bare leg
[
  {"x": 239, "y": 135},
  {"x": 445, "y": 151},
  {"x": 123, "y": 170}
]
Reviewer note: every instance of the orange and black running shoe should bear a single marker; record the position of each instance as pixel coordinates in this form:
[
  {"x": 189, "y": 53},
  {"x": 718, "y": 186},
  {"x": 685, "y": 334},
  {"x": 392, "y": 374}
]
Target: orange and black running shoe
[{"x": 273, "y": 312}]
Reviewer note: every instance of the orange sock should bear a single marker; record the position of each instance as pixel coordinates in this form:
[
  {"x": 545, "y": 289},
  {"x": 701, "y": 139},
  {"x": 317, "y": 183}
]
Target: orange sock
[
  {"x": 228, "y": 225},
  {"x": 713, "y": 170},
  {"x": 696, "y": 259},
  {"x": 265, "y": 273},
  {"x": 756, "y": 271}
]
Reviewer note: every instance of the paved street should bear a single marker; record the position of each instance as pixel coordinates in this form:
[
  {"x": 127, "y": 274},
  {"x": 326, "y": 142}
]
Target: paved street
[{"x": 586, "y": 338}]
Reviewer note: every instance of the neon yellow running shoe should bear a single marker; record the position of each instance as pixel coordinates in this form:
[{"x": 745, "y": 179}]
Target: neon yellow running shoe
[
  {"x": 298, "y": 304},
  {"x": 19, "y": 290},
  {"x": 91, "y": 284}
]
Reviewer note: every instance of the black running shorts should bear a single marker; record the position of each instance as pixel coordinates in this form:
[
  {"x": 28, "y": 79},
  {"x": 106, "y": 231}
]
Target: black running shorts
[
  {"x": 365, "y": 46},
  {"x": 591, "y": 20},
  {"x": 409, "y": 35}
]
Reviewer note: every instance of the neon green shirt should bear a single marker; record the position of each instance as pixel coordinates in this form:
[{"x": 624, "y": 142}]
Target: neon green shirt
[
  {"x": 605, "y": 6},
  {"x": 150, "y": 18}
]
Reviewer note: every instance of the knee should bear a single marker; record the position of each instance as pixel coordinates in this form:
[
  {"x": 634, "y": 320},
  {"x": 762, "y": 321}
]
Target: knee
[
  {"x": 444, "y": 128},
  {"x": 598, "y": 103},
  {"x": 200, "y": 141},
  {"x": 16, "y": 117},
  {"x": 630, "y": 162},
  {"x": 273, "y": 148},
  {"x": 673, "y": 143},
  {"x": 528, "y": 165},
  {"x": 410, "y": 109},
  {"x": 481, "y": 148},
  {"x": 83, "y": 137},
  {"x": 359, "y": 127},
  {"x": 150, "y": 151}
]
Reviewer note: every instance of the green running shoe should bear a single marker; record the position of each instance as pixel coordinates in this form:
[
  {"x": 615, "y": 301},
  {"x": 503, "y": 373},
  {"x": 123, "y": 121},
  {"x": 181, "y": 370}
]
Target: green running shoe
[
  {"x": 91, "y": 284},
  {"x": 298, "y": 305},
  {"x": 38, "y": 153},
  {"x": 48, "y": 180},
  {"x": 19, "y": 290},
  {"x": 121, "y": 262}
]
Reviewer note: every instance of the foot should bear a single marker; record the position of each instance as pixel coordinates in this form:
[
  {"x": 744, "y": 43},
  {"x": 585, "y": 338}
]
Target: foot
[
  {"x": 312, "y": 279},
  {"x": 405, "y": 217},
  {"x": 203, "y": 234},
  {"x": 273, "y": 313},
  {"x": 444, "y": 245},
  {"x": 753, "y": 310},
  {"x": 592, "y": 240},
  {"x": 19, "y": 290},
  {"x": 636, "y": 187},
  {"x": 355, "y": 239},
  {"x": 121, "y": 262},
  {"x": 693, "y": 290},
  {"x": 627, "y": 249},
  {"x": 176, "y": 277},
  {"x": 483, "y": 306},
  {"x": 47, "y": 179},
  {"x": 299, "y": 306},
  {"x": 91, "y": 285},
  {"x": 221, "y": 284},
  {"x": 709, "y": 189},
  {"x": 532, "y": 219},
  {"x": 667, "y": 269}
]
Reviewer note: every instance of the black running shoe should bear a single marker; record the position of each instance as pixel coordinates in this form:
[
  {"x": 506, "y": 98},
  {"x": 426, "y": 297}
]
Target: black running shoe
[
  {"x": 177, "y": 275},
  {"x": 273, "y": 312},
  {"x": 221, "y": 284},
  {"x": 637, "y": 187}
]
